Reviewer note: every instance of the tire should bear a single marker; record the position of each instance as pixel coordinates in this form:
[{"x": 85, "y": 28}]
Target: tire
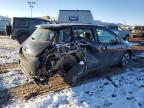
[
  {"x": 22, "y": 37},
  {"x": 125, "y": 59},
  {"x": 65, "y": 63},
  {"x": 74, "y": 75}
]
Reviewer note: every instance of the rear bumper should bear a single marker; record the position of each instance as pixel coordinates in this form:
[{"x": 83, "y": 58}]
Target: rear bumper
[{"x": 30, "y": 67}]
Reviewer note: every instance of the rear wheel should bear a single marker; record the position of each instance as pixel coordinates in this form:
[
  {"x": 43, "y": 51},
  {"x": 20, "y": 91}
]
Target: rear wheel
[
  {"x": 74, "y": 75},
  {"x": 66, "y": 63},
  {"x": 125, "y": 59}
]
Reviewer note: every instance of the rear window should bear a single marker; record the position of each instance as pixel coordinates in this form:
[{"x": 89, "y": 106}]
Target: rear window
[{"x": 43, "y": 34}]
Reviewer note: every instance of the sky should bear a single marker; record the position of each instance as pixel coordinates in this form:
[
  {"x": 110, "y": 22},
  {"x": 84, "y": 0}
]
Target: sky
[{"x": 117, "y": 11}]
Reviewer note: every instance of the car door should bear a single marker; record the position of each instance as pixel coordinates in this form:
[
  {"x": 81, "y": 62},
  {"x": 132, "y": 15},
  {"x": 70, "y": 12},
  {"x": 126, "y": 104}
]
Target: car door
[
  {"x": 112, "y": 44},
  {"x": 94, "y": 56}
]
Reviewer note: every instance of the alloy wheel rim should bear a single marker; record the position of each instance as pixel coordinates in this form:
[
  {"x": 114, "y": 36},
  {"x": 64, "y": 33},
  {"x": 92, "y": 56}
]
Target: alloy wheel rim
[{"x": 125, "y": 59}]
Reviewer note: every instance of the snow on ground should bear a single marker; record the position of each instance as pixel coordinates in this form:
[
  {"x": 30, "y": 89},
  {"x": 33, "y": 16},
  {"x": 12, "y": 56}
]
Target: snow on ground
[
  {"x": 100, "y": 93},
  {"x": 12, "y": 79},
  {"x": 8, "y": 55},
  {"x": 8, "y": 43},
  {"x": 8, "y": 50}
]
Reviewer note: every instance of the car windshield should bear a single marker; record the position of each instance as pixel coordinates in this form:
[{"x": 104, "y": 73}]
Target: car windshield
[{"x": 42, "y": 34}]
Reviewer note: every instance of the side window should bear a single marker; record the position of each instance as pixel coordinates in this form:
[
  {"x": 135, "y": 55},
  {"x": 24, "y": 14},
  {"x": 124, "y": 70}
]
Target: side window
[
  {"x": 105, "y": 36},
  {"x": 84, "y": 33}
]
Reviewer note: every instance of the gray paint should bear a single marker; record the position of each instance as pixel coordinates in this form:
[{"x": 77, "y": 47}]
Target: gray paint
[{"x": 96, "y": 55}]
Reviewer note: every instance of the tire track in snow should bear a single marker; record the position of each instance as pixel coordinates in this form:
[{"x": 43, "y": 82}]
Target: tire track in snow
[{"x": 32, "y": 90}]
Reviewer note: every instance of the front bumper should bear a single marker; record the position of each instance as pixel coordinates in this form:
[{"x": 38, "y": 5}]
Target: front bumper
[{"x": 30, "y": 67}]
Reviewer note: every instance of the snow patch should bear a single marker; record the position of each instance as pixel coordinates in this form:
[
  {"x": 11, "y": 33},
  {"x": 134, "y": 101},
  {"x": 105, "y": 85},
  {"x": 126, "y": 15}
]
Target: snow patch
[
  {"x": 8, "y": 55},
  {"x": 12, "y": 79},
  {"x": 97, "y": 94}
]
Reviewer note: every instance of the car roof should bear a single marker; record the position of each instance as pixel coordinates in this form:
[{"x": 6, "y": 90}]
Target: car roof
[
  {"x": 29, "y": 18},
  {"x": 63, "y": 25}
]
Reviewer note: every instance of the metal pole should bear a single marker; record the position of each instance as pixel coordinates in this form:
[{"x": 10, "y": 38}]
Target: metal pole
[
  {"x": 31, "y": 12},
  {"x": 31, "y": 5}
]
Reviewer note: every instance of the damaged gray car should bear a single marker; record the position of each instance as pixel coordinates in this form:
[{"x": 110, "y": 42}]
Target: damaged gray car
[{"x": 71, "y": 50}]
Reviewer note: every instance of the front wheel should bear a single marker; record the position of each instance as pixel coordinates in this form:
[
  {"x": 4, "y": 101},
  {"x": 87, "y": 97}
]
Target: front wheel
[{"x": 125, "y": 59}]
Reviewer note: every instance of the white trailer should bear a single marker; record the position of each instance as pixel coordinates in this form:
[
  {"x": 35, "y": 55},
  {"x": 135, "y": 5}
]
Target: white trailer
[{"x": 75, "y": 16}]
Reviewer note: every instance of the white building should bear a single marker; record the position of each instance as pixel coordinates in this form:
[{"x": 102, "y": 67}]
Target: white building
[
  {"x": 75, "y": 16},
  {"x": 3, "y": 21}
]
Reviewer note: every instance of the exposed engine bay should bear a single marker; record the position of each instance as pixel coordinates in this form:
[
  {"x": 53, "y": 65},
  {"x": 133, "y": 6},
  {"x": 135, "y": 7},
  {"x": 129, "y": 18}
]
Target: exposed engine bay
[{"x": 62, "y": 59}]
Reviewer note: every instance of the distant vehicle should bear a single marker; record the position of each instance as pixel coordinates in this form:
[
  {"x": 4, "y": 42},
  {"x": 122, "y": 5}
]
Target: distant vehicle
[
  {"x": 138, "y": 31},
  {"x": 124, "y": 34},
  {"x": 22, "y": 28},
  {"x": 75, "y": 16},
  {"x": 72, "y": 50},
  {"x": 3, "y": 21}
]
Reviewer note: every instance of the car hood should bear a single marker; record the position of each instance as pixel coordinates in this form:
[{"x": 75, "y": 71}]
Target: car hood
[{"x": 34, "y": 48}]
